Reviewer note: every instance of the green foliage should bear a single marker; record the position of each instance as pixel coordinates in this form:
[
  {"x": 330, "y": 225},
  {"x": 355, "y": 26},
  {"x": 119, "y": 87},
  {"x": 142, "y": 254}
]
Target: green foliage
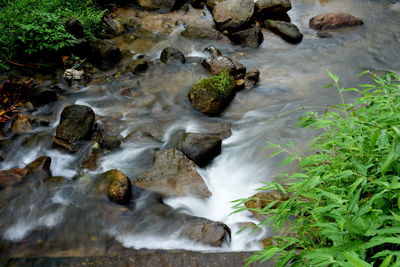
[
  {"x": 35, "y": 26},
  {"x": 344, "y": 203},
  {"x": 222, "y": 83}
]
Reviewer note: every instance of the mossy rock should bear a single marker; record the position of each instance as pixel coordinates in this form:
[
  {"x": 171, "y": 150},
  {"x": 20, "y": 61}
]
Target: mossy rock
[
  {"x": 138, "y": 65},
  {"x": 116, "y": 185},
  {"x": 212, "y": 95}
]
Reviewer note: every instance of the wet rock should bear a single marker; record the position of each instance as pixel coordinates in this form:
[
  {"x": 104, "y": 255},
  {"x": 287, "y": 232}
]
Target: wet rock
[
  {"x": 272, "y": 9},
  {"x": 170, "y": 54},
  {"x": 173, "y": 174},
  {"x": 58, "y": 143},
  {"x": 11, "y": 177},
  {"x": 137, "y": 65},
  {"x": 74, "y": 27},
  {"x": 263, "y": 199},
  {"x": 21, "y": 124},
  {"x": 104, "y": 54},
  {"x": 110, "y": 143},
  {"x": 324, "y": 35},
  {"x": 205, "y": 231},
  {"x": 113, "y": 27},
  {"x": 252, "y": 37},
  {"x": 251, "y": 78},
  {"x": 198, "y": 32},
  {"x": 221, "y": 129},
  {"x": 212, "y": 95},
  {"x": 220, "y": 63},
  {"x": 140, "y": 136},
  {"x": 116, "y": 185},
  {"x": 210, "y": 4},
  {"x": 159, "y": 5},
  {"x": 288, "y": 31},
  {"x": 233, "y": 15},
  {"x": 239, "y": 84},
  {"x": 201, "y": 148},
  {"x": 199, "y": 4},
  {"x": 39, "y": 164},
  {"x": 72, "y": 74},
  {"x": 330, "y": 21},
  {"x": 91, "y": 162},
  {"x": 76, "y": 123}
]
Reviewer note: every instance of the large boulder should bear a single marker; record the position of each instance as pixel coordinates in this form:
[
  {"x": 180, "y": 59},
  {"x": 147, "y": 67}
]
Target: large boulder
[
  {"x": 104, "y": 54},
  {"x": 272, "y": 9},
  {"x": 201, "y": 148},
  {"x": 233, "y": 15},
  {"x": 330, "y": 21},
  {"x": 173, "y": 174},
  {"x": 288, "y": 31},
  {"x": 170, "y": 54},
  {"x": 252, "y": 37},
  {"x": 76, "y": 123},
  {"x": 212, "y": 95},
  {"x": 115, "y": 185}
]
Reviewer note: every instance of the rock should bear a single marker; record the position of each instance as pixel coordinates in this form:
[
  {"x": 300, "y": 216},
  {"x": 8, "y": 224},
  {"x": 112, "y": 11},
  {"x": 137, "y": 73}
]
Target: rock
[
  {"x": 76, "y": 123},
  {"x": 137, "y": 65},
  {"x": 116, "y": 185},
  {"x": 11, "y": 177},
  {"x": 140, "y": 136},
  {"x": 233, "y": 15},
  {"x": 288, "y": 31},
  {"x": 104, "y": 54},
  {"x": 21, "y": 124},
  {"x": 217, "y": 64},
  {"x": 198, "y": 32},
  {"x": 272, "y": 9},
  {"x": 251, "y": 78},
  {"x": 210, "y": 4},
  {"x": 212, "y": 95},
  {"x": 173, "y": 174},
  {"x": 170, "y": 54},
  {"x": 205, "y": 231},
  {"x": 159, "y": 5},
  {"x": 201, "y": 148},
  {"x": 75, "y": 28},
  {"x": 221, "y": 129},
  {"x": 330, "y": 21},
  {"x": 199, "y": 4},
  {"x": 263, "y": 199},
  {"x": 324, "y": 35},
  {"x": 112, "y": 27},
  {"x": 252, "y": 37},
  {"x": 239, "y": 84},
  {"x": 72, "y": 74},
  {"x": 58, "y": 143},
  {"x": 91, "y": 162},
  {"x": 110, "y": 143},
  {"x": 39, "y": 164}
]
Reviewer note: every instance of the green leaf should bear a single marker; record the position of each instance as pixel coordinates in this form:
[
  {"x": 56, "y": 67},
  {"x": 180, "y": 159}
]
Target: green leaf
[
  {"x": 334, "y": 77},
  {"x": 355, "y": 260}
]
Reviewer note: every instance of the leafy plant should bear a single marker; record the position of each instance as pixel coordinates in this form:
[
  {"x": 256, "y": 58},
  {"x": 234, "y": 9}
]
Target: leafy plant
[
  {"x": 344, "y": 202},
  {"x": 36, "y": 26}
]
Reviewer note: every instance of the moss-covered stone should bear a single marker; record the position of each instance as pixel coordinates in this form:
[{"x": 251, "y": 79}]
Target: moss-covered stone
[
  {"x": 116, "y": 185},
  {"x": 212, "y": 95}
]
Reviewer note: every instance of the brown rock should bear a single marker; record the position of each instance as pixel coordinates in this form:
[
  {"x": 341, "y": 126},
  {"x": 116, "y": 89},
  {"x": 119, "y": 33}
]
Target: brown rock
[
  {"x": 233, "y": 15},
  {"x": 116, "y": 185},
  {"x": 21, "y": 124},
  {"x": 263, "y": 199},
  {"x": 251, "y": 78},
  {"x": 173, "y": 174},
  {"x": 330, "y": 21},
  {"x": 11, "y": 177}
]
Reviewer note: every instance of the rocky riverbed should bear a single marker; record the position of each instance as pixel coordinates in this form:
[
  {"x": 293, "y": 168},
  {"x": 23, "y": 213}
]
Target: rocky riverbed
[{"x": 144, "y": 144}]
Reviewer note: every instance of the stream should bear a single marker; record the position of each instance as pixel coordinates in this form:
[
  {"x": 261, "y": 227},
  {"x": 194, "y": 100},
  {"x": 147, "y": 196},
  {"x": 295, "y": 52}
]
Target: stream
[{"x": 64, "y": 219}]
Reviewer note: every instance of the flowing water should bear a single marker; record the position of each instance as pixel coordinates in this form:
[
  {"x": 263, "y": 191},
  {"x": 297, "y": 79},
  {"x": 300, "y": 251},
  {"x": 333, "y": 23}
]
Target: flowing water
[{"x": 64, "y": 219}]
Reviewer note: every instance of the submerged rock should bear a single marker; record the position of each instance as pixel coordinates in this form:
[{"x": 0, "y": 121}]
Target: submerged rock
[
  {"x": 212, "y": 95},
  {"x": 110, "y": 143},
  {"x": 288, "y": 31},
  {"x": 261, "y": 200},
  {"x": 137, "y": 65},
  {"x": 170, "y": 54},
  {"x": 199, "y": 32},
  {"x": 76, "y": 123},
  {"x": 330, "y": 21},
  {"x": 201, "y": 148},
  {"x": 104, "y": 54},
  {"x": 272, "y": 9},
  {"x": 252, "y": 37},
  {"x": 233, "y": 15},
  {"x": 116, "y": 185},
  {"x": 21, "y": 124},
  {"x": 173, "y": 174}
]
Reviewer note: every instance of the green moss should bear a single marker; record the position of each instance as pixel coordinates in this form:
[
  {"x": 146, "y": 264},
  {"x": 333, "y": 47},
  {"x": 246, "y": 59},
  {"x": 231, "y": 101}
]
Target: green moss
[{"x": 223, "y": 84}]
